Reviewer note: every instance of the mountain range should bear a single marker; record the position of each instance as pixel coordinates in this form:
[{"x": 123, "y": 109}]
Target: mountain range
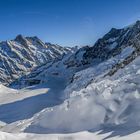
[
  {"x": 21, "y": 55},
  {"x": 58, "y": 90}
]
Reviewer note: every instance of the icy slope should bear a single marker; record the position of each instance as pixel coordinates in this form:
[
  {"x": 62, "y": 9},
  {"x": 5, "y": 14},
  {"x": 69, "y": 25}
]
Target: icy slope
[
  {"x": 108, "y": 102},
  {"x": 95, "y": 88},
  {"x": 116, "y": 100},
  {"x": 124, "y": 52},
  {"x": 74, "y": 136}
]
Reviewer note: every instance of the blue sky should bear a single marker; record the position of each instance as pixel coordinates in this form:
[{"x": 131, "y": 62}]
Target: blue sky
[{"x": 65, "y": 22}]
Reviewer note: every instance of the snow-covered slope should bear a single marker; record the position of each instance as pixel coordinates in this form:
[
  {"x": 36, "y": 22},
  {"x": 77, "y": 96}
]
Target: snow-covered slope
[
  {"x": 125, "y": 51},
  {"x": 111, "y": 101},
  {"x": 73, "y": 136},
  {"x": 94, "y": 91},
  {"x": 22, "y": 54},
  {"x": 110, "y": 105}
]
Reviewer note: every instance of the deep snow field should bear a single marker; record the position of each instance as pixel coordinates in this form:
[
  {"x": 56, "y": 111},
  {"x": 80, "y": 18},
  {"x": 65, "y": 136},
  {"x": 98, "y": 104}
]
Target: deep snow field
[
  {"x": 75, "y": 136},
  {"x": 105, "y": 109},
  {"x": 92, "y": 93}
]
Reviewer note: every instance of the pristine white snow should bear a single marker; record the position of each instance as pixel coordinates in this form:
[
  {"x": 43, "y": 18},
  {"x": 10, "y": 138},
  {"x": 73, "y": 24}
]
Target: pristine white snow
[
  {"x": 108, "y": 101},
  {"x": 74, "y": 99},
  {"x": 75, "y": 136},
  {"x": 8, "y": 95}
]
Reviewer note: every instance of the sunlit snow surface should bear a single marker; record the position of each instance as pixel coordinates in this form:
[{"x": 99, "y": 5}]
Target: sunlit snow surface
[
  {"x": 107, "y": 108},
  {"x": 92, "y": 106},
  {"x": 74, "y": 136},
  {"x": 90, "y": 94}
]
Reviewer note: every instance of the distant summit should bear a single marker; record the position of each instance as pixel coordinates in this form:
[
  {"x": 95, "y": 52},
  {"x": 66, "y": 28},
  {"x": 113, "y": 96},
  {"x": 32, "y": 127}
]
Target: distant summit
[{"x": 22, "y": 54}]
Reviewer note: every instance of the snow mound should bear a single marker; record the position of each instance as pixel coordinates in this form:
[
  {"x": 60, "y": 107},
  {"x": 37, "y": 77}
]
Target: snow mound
[{"x": 4, "y": 90}]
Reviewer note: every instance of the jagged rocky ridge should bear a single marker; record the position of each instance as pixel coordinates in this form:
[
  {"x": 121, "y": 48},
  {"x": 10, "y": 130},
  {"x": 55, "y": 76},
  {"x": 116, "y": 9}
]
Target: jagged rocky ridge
[
  {"x": 21, "y": 55},
  {"x": 94, "y": 83},
  {"x": 115, "y": 43}
]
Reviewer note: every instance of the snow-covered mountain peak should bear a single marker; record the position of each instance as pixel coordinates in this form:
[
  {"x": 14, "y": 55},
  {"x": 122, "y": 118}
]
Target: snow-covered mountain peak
[
  {"x": 22, "y": 54},
  {"x": 93, "y": 83},
  {"x": 137, "y": 24},
  {"x": 121, "y": 45},
  {"x": 19, "y": 37}
]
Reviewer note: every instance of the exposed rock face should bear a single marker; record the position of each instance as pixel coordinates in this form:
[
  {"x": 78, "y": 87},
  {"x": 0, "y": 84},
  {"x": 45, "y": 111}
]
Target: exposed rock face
[
  {"x": 111, "y": 45},
  {"x": 123, "y": 43}
]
